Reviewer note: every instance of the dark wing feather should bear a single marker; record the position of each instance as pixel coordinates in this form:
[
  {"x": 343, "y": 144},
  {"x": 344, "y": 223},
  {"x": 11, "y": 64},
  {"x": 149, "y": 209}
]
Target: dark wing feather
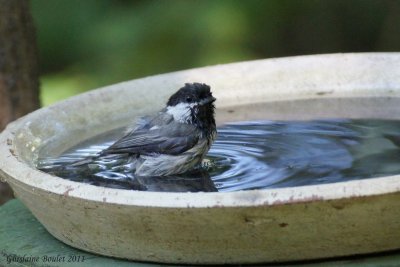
[{"x": 173, "y": 138}]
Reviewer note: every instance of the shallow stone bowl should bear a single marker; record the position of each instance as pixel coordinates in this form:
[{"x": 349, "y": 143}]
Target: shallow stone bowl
[{"x": 271, "y": 225}]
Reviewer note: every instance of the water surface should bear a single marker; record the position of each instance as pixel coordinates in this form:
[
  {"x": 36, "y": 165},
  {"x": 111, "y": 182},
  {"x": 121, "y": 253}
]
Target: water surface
[{"x": 258, "y": 155}]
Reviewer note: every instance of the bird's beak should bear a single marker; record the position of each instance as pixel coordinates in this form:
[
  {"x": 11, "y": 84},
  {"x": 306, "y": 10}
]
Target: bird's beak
[{"x": 208, "y": 100}]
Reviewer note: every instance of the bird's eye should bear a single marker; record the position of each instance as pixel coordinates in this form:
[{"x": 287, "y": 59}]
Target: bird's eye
[{"x": 188, "y": 99}]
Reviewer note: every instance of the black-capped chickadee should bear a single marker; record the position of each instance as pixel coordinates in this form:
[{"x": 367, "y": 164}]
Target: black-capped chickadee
[{"x": 174, "y": 141}]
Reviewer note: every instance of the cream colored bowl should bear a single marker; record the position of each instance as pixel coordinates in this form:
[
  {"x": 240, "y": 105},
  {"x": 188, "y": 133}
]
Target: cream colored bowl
[{"x": 271, "y": 225}]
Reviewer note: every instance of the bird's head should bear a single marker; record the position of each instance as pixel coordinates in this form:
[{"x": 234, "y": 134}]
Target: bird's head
[{"x": 193, "y": 104}]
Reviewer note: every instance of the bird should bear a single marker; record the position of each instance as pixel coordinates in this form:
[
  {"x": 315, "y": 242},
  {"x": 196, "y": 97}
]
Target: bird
[{"x": 173, "y": 141}]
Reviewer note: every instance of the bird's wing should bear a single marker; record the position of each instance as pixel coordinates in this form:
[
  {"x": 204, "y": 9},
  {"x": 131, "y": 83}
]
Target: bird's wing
[
  {"x": 146, "y": 122},
  {"x": 172, "y": 138}
]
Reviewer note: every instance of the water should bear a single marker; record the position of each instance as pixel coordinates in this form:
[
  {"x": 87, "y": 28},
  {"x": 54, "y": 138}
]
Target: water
[{"x": 258, "y": 155}]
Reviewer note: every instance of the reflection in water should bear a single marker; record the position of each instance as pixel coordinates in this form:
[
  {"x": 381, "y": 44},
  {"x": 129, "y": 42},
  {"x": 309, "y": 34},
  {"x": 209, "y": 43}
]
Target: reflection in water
[
  {"x": 113, "y": 175},
  {"x": 256, "y": 155},
  {"x": 195, "y": 182}
]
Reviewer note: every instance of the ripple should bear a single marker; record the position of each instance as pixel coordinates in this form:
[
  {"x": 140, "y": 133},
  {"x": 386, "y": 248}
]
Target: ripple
[{"x": 257, "y": 155}]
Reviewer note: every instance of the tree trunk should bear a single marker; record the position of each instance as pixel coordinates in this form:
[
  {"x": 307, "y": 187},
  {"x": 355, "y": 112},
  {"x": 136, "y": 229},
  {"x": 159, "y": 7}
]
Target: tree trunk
[{"x": 19, "y": 82}]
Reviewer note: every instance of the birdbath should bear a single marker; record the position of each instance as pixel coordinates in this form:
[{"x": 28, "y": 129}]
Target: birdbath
[{"x": 254, "y": 226}]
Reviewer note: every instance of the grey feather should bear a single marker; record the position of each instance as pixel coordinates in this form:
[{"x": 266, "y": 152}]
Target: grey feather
[{"x": 171, "y": 138}]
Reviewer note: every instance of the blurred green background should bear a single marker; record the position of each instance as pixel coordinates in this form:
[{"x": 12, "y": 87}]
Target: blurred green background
[{"x": 86, "y": 44}]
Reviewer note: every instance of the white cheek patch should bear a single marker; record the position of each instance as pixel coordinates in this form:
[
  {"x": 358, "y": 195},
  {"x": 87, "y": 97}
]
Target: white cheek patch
[{"x": 181, "y": 112}]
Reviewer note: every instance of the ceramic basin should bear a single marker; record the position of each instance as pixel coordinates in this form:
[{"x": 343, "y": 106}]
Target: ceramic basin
[{"x": 271, "y": 225}]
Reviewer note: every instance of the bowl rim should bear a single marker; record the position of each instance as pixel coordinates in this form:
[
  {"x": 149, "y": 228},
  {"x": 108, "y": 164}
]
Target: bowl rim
[{"x": 33, "y": 179}]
